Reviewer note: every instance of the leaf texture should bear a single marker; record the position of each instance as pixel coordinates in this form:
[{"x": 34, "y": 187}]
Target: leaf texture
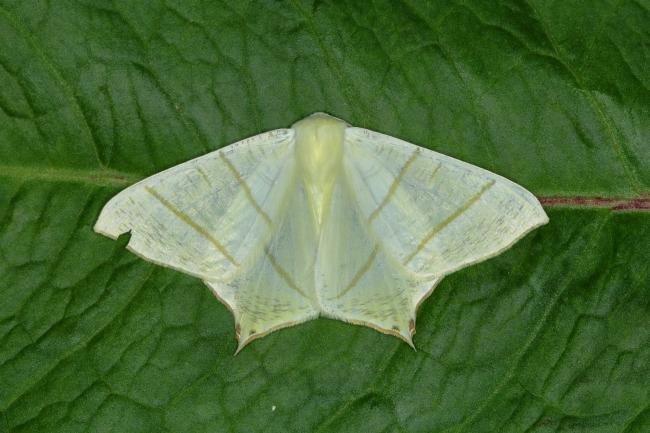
[{"x": 552, "y": 336}]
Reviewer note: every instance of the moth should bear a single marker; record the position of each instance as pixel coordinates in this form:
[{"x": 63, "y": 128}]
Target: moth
[{"x": 321, "y": 219}]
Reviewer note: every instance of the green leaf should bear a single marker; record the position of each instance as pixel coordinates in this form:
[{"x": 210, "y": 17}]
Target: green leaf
[{"x": 552, "y": 336}]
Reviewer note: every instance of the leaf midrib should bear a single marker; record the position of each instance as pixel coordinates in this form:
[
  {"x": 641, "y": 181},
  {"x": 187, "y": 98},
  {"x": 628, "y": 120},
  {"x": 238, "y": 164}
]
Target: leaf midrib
[
  {"x": 97, "y": 177},
  {"x": 118, "y": 179}
]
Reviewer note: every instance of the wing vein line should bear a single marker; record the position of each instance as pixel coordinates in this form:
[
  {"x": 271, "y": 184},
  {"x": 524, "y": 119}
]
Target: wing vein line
[
  {"x": 434, "y": 172},
  {"x": 394, "y": 185},
  {"x": 360, "y": 273},
  {"x": 246, "y": 188},
  {"x": 190, "y": 222},
  {"x": 444, "y": 223},
  {"x": 284, "y": 274},
  {"x": 203, "y": 174}
]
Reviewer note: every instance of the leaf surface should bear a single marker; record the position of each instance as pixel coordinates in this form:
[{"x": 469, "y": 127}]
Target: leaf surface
[{"x": 552, "y": 336}]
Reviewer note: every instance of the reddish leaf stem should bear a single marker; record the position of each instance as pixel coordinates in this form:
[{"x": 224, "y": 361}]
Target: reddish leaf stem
[{"x": 617, "y": 204}]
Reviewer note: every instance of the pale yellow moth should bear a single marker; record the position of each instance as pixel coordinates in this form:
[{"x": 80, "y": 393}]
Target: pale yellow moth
[{"x": 321, "y": 219}]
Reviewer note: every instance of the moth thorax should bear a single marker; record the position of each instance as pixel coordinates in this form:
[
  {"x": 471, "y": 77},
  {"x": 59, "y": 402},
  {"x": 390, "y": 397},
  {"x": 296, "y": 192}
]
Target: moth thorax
[{"x": 319, "y": 149}]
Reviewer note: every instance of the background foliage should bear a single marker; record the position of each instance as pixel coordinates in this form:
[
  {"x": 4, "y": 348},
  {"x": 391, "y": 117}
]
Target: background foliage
[{"x": 552, "y": 336}]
